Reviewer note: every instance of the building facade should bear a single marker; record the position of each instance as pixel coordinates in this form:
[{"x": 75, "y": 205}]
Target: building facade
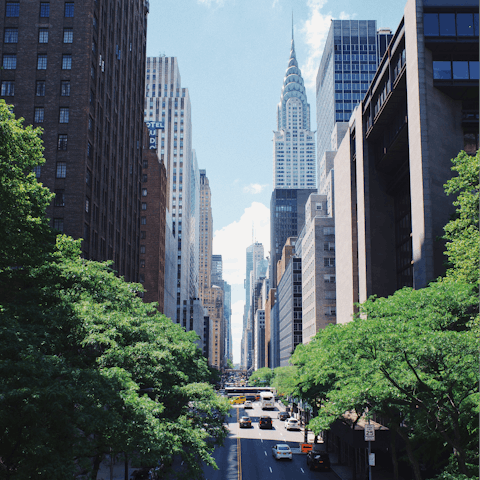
[
  {"x": 65, "y": 68},
  {"x": 318, "y": 274},
  {"x": 419, "y": 112},
  {"x": 168, "y": 103}
]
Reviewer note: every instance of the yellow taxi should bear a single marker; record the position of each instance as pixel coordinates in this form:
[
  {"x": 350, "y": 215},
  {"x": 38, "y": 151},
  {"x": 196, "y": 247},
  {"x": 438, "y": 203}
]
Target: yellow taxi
[{"x": 237, "y": 400}]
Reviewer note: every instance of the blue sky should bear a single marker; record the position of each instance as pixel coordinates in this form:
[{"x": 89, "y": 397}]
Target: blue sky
[{"x": 232, "y": 57}]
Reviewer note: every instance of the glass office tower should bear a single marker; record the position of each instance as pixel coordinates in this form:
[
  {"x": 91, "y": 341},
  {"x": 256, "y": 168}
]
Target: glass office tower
[{"x": 349, "y": 61}]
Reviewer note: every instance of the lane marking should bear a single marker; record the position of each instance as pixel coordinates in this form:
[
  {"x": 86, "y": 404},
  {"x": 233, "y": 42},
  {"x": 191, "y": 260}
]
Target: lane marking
[
  {"x": 302, "y": 470},
  {"x": 270, "y": 469},
  {"x": 265, "y": 453}
]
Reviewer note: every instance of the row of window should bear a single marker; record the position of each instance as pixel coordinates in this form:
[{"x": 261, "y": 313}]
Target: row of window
[
  {"x": 450, "y": 24},
  {"x": 456, "y": 70},
  {"x": 10, "y": 61},
  {"x": 39, "y": 115},
  {"x": 12, "y": 9},
  {"x": 11, "y": 35}
]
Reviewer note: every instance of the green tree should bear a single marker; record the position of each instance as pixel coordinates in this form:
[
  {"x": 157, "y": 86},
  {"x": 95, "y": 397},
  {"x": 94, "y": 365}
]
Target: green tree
[
  {"x": 261, "y": 377},
  {"x": 86, "y": 368},
  {"x": 462, "y": 233},
  {"x": 285, "y": 380}
]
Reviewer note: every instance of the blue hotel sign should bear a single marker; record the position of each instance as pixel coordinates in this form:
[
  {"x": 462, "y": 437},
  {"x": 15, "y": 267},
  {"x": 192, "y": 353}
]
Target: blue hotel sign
[{"x": 152, "y": 130}]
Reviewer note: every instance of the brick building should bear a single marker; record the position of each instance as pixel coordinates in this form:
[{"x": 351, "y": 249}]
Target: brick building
[
  {"x": 153, "y": 228},
  {"x": 76, "y": 69}
]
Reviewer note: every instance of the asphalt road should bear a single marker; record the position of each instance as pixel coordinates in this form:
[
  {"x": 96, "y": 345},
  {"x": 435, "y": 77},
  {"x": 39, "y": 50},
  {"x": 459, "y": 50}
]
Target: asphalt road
[{"x": 247, "y": 452}]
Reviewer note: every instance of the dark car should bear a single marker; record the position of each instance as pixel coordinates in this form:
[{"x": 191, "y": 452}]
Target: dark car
[
  {"x": 245, "y": 422},
  {"x": 283, "y": 415},
  {"x": 265, "y": 422},
  {"x": 318, "y": 460}
]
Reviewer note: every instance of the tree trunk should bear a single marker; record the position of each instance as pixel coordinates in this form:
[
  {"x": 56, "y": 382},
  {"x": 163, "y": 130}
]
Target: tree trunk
[
  {"x": 411, "y": 456},
  {"x": 97, "y": 460}
]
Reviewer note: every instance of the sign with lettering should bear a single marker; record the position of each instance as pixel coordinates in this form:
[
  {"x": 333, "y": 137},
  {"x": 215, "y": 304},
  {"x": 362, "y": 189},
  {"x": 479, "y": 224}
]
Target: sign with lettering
[
  {"x": 153, "y": 126},
  {"x": 369, "y": 433}
]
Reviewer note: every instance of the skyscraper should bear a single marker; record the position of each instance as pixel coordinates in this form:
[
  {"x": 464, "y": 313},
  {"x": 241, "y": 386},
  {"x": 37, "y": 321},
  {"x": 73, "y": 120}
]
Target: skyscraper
[
  {"x": 294, "y": 143},
  {"x": 68, "y": 69},
  {"x": 168, "y": 103},
  {"x": 350, "y": 58}
]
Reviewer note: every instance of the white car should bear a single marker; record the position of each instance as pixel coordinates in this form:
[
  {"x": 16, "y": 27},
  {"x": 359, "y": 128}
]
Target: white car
[
  {"x": 292, "y": 424},
  {"x": 247, "y": 404},
  {"x": 281, "y": 450}
]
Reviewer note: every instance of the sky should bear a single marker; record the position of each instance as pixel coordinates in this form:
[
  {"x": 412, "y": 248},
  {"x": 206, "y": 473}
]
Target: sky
[{"x": 232, "y": 56}]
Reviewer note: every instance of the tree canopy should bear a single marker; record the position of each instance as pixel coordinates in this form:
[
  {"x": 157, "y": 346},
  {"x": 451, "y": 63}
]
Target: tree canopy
[{"x": 86, "y": 368}]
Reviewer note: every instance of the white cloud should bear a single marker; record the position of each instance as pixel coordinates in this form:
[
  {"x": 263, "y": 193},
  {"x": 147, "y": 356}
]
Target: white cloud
[
  {"x": 231, "y": 241},
  {"x": 254, "y": 188}
]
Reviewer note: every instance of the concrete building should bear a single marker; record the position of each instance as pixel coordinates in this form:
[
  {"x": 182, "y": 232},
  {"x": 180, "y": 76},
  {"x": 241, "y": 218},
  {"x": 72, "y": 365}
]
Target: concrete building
[
  {"x": 271, "y": 333},
  {"x": 65, "y": 68},
  {"x": 318, "y": 268},
  {"x": 419, "y": 112},
  {"x": 167, "y": 103},
  {"x": 259, "y": 349},
  {"x": 227, "y": 315},
  {"x": 289, "y": 300}
]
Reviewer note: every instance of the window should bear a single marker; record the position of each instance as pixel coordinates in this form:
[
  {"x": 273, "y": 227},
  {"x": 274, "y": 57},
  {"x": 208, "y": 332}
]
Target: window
[
  {"x": 144, "y": 177},
  {"x": 143, "y": 234},
  {"x": 329, "y": 278},
  {"x": 67, "y": 62},
  {"x": 69, "y": 9},
  {"x": 10, "y": 62},
  {"x": 144, "y": 205},
  {"x": 143, "y": 220},
  {"x": 11, "y": 35},
  {"x": 64, "y": 115},
  {"x": 460, "y": 70},
  {"x": 329, "y": 262},
  {"x": 142, "y": 263},
  {"x": 40, "y": 89},
  {"x": 62, "y": 142},
  {"x": 44, "y": 9},
  {"x": 59, "y": 198},
  {"x": 68, "y": 35},
  {"x": 87, "y": 205},
  {"x": 447, "y": 24},
  {"x": 442, "y": 70},
  {"x": 142, "y": 249},
  {"x": 58, "y": 224},
  {"x": 65, "y": 88},
  {"x": 61, "y": 170},
  {"x": 39, "y": 115},
  {"x": 43, "y": 35},
  {"x": 13, "y": 9},
  {"x": 141, "y": 278},
  {"x": 144, "y": 192},
  {"x": 42, "y": 61},
  {"x": 37, "y": 170},
  {"x": 8, "y": 89}
]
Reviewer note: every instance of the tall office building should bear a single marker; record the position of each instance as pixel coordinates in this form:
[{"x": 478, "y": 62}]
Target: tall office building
[
  {"x": 76, "y": 69},
  {"x": 294, "y": 143},
  {"x": 419, "y": 112},
  {"x": 167, "y": 103},
  {"x": 227, "y": 315},
  {"x": 350, "y": 58}
]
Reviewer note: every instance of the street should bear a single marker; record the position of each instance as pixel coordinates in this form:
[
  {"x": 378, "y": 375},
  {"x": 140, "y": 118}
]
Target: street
[{"x": 247, "y": 452}]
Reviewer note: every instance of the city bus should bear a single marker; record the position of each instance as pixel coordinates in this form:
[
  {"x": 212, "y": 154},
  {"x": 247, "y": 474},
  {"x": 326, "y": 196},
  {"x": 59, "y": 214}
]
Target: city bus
[
  {"x": 249, "y": 392},
  {"x": 267, "y": 400}
]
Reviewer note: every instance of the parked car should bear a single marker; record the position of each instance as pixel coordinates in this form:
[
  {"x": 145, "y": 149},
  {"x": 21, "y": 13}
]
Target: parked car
[
  {"x": 265, "y": 422},
  {"x": 283, "y": 415},
  {"x": 245, "y": 422},
  {"x": 248, "y": 404},
  {"x": 318, "y": 460},
  {"x": 282, "y": 450},
  {"x": 292, "y": 424}
]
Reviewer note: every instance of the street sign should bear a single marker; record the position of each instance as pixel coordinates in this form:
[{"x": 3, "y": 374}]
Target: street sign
[
  {"x": 371, "y": 459},
  {"x": 369, "y": 433}
]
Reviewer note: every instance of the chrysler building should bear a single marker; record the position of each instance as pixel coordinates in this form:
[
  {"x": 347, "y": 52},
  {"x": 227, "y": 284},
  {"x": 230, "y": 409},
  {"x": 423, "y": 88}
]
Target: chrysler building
[{"x": 294, "y": 143}]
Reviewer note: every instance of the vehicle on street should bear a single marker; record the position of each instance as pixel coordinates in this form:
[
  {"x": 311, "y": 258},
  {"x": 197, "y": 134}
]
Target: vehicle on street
[
  {"x": 265, "y": 422},
  {"x": 318, "y": 460},
  {"x": 237, "y": 400},
  {"x": 282, "y": 450},
  {"x": 292, "y": 424},
  {"x": 247, "y": 404},
  {"x": 283, "y": 415},
  {"x": 245, "y": 422},
  {"x": 267, "y": 400}
]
